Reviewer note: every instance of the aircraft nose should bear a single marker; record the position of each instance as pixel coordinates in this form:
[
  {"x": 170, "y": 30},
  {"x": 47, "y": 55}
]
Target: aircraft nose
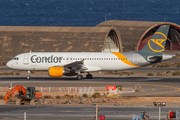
[{"x": 8, "y": 64}]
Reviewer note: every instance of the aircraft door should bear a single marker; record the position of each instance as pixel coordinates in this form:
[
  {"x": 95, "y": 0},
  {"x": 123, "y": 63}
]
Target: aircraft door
[
  {"x": 135, "y": 58},
  {"x": 26, "y": 59}
]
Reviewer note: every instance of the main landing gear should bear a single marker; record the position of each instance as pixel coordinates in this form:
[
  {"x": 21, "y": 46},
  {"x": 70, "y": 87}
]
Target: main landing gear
[
  {"x": 88, "y": 76},
  {"x": 28, "y": 76}
]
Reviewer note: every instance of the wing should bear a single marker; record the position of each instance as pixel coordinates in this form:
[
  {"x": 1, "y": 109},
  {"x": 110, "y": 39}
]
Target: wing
[{"x": 76, "y": 67}]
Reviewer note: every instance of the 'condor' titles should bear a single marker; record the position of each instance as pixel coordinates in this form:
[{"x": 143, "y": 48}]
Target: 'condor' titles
[{"x": 50, "y": 59}]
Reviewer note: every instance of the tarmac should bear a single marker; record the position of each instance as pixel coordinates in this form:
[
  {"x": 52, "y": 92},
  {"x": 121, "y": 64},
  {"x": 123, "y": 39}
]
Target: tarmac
[
  {"x": 79, "y": 112},
  {"x": 150, "y": 86}
]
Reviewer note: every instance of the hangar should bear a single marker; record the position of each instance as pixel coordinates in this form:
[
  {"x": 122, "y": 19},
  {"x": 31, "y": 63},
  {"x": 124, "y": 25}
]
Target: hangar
[
  {"x": 108, "y": 36},
  {"x": 135, "y": 34}
]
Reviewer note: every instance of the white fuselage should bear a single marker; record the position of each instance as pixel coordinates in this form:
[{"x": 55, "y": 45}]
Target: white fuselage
[{"x": 93, "y": 61}]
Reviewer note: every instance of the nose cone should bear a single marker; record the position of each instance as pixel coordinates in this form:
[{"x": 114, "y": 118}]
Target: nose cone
[{"x": 8, "y": 64}]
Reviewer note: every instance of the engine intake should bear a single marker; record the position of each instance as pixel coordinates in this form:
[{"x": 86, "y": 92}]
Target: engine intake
[{"x": 56, "y": 71}]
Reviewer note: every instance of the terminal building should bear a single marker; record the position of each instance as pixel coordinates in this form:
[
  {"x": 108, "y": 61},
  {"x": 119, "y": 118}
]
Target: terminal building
[{"x": 108, "y": 36}]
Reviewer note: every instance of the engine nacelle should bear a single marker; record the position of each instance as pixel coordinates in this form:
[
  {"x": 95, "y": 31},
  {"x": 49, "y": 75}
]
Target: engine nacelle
[{"x": 56, "y": 71}]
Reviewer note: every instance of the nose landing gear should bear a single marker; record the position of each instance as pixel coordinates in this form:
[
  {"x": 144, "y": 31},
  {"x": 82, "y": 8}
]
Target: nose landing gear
[
  {"x": 28, "y": 76},
  {"x": 79, "y": 77}
]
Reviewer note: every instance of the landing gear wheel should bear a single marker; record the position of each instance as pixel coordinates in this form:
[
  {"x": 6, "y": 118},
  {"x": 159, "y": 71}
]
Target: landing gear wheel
[
  {"x": 89, "y": 76},
  {"x": 79, "y": 77},
  {"x": 28, "y": 77}
]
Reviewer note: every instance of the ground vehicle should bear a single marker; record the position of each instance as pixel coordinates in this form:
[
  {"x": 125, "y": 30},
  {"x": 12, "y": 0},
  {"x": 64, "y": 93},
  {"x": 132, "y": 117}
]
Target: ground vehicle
[{"x": 27, "y": 94}]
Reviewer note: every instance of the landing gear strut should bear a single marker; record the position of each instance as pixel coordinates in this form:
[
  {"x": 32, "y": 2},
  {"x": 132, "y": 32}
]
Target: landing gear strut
[
  {"x": 79, "y": 77},
  {"x": 28, "y": 77},
  {"x": 89, "y": 76}
]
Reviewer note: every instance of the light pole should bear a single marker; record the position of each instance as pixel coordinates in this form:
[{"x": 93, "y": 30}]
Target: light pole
[{"x": 159, "y": 104}]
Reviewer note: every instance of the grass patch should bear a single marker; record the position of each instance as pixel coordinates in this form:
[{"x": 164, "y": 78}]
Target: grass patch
[
  {"x": 58, "y": 97},
  {"x": 118, "y": 73},
  {"x": 48, "y": 97},
  {"x": 176, "y": 73},
  {"x": 85, "y": 95},
  {"x": 10, "y": 73},
  {"x": 159, "y": 74},
  {"x": 17, "y": 73},
  {"x": 177, "y": 64},
  {"x": 131, "y": 73},
  {"x": 168, "y": 72},
  {"x": 150, "y": 74},
  {"x": 1, "y": 97},
  {"x": 66, "y": 96},
  {"x": 96, "y": 95},
  {"x": 32, "y": 72},
  {"x": 127, "y": 73}
]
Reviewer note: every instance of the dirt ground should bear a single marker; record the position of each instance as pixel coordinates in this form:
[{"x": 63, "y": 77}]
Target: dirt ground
[{"x": 102, "y": 98}]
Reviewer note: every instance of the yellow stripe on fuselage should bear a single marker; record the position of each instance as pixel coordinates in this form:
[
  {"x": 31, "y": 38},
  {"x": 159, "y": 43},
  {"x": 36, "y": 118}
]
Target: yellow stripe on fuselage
[{"x": 123, "y": 59}]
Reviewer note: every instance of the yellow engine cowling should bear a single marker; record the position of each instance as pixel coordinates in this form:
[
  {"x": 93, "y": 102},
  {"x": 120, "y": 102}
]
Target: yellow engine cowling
[{"x": 56, "y": 71}]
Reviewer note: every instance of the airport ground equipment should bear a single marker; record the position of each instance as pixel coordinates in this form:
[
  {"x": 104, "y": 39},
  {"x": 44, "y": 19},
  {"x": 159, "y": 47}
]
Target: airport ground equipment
[
  {"x": 27, "y": 94},
  {"x": 101, "y": 117},
  {"x": 173, "y": 115}
]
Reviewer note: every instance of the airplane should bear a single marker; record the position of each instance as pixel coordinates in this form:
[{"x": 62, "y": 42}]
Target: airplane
[{"x": 74, "y": 63}]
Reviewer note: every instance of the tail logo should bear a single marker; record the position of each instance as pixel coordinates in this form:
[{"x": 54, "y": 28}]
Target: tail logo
[{"x": 156, "y": 44}]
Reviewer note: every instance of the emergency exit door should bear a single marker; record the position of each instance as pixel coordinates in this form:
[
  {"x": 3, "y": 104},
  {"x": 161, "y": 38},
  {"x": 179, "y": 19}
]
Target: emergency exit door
[{"x": 26, "y": 59}]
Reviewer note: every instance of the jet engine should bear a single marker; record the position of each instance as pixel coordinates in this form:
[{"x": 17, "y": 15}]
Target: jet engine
[{"x": 56, "y": 71}]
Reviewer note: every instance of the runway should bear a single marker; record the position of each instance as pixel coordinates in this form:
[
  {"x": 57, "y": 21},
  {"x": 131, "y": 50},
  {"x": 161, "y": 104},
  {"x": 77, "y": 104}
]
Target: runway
[{"x": 79, "y": 112}]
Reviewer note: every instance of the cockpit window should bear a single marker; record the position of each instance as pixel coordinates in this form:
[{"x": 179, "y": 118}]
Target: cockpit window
[{"x": 16, "y": 58}]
